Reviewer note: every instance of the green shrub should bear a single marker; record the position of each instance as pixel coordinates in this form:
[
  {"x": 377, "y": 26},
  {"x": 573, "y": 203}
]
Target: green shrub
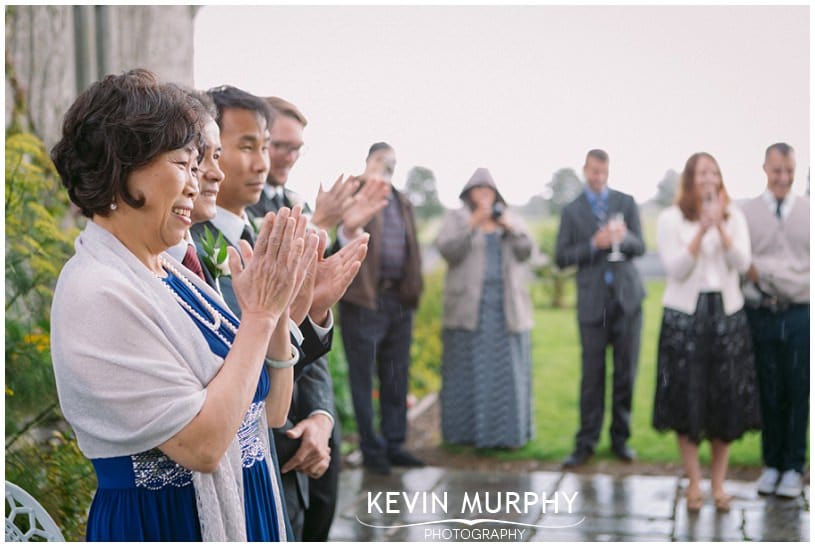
[
  {"x": 552, "y": 287},
  {"x": 39, "y": 237},
  {"x": 59, "y": 476},
  {"x": 426, "y": 349}
]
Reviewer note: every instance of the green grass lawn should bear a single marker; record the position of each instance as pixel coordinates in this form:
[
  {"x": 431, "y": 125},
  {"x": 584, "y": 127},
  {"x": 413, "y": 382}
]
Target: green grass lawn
[
  {"x": 556, "y": 387},
  {"x": 556, "y": 368}
]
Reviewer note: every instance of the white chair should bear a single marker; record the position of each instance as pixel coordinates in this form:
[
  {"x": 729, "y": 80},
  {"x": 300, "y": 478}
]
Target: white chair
[{"x": 26, "y": 520}]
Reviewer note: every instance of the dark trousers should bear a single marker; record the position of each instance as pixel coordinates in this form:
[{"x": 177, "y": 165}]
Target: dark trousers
[
  {"x": 294, "y": 504},
  {"x": 322, "y": 495},
  {"x": 781, "y": 344},
  {"x": 378, "y": 340},
  {"x": 622, "y": 332}
]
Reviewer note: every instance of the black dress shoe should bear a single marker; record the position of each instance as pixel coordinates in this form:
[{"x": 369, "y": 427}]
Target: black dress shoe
[
  {"x": 578, "y": 457},
  {"x": 624, "y": 453},
  {"x": 378, "y": 465},
  {"x": 404, "y": 458}
]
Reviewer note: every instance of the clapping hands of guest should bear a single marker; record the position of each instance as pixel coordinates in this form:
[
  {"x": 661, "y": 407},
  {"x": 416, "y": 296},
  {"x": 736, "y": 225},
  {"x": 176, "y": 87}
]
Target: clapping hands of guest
[
  {"x": 331, "y": 205},
  {"x": 335, "y": 274},
  {"x": 328, "y": 278},
  {"x": 712, "y": 212},
  {"x": 712, "y": 215},
  {"x": 371, "y": 198},
  {"x": 273, "y": 273},
  {"x": 302, "y": 301}
]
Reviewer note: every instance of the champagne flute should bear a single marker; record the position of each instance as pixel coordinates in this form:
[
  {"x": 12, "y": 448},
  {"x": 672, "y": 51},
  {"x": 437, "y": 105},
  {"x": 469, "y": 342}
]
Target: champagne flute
[{"x": 616, "y": 223}]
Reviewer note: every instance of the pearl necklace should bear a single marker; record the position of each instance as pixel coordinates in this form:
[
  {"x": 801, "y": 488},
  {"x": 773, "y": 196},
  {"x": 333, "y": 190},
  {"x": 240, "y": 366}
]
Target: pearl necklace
[{"x": 218, "y": 320}]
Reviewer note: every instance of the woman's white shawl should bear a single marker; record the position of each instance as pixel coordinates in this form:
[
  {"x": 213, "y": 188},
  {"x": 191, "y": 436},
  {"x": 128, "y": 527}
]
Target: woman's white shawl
[{"x": 132, "y": 369}]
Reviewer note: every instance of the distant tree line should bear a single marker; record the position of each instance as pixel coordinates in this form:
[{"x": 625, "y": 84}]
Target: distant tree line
[
  {"x": 421, "y": 189},
  {"x": 564, "y": 186}
]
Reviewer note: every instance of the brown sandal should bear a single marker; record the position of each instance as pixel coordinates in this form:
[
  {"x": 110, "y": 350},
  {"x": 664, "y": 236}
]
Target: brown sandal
[
  {"x": 723, "y": 503},
  {"x": 694, "y": 502}
]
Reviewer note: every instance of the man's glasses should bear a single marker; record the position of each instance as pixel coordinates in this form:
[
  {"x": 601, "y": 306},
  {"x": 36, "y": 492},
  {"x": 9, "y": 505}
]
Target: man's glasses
[{"x": 287, "y": 148}]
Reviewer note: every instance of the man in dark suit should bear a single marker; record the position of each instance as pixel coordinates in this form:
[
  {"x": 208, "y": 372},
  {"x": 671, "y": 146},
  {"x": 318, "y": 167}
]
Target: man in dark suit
[
  {"x": 243, "y": 120},
  {"x": 308, "y": 445},
  {"x": 609, "y": 297},
  {"x": 376, "y": 318},
  {"x": 285, "y": 146}
]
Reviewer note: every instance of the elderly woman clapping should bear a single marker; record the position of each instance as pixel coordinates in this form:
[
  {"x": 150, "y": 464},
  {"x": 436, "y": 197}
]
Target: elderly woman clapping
[{"x": 168, "y": 393}]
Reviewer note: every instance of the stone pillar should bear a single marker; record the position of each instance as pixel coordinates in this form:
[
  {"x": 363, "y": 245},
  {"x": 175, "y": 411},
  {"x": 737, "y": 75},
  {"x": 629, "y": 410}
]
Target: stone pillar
[
  {"x": 158, "y": 38},
  {"x": 57, "y": 51},
  {"x": 40, "y": 47}
]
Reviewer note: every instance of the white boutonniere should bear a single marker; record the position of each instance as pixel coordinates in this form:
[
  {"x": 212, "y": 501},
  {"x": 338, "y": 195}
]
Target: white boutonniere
[
  {"x": 215, "y": 256},
  {"x": 296, "y": 199},
  {"x": 255, "y": 223}
]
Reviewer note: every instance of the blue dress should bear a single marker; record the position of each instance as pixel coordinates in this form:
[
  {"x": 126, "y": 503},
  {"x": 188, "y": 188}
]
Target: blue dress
[{"x": 149, "y": 497}]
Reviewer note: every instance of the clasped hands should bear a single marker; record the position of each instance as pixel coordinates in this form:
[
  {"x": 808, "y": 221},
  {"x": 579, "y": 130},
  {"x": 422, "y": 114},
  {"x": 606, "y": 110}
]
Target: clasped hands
[
  {"x": 609, "y": 234},
  {"x": 711, "y": 212},
  {"x": 711, "y": 215},
  {"x": 313, "y": 456}
]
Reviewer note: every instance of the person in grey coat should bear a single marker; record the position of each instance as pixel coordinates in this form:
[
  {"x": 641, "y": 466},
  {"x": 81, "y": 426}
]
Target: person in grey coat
[{"x": 486, "y": 366}]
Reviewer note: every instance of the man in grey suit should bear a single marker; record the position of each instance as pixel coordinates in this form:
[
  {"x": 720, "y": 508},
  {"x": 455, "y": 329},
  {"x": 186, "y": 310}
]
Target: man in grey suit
[{"x": 600, "y": 233}]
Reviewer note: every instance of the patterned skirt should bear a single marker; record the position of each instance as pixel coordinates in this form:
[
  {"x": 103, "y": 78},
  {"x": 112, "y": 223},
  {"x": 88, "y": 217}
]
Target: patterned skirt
[
  {"x": 486, "y": 395},
  {"x": 706, "y": 374}
]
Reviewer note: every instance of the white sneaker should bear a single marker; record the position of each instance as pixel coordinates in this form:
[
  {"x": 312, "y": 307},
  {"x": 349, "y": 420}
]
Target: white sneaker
[
  {"x": 790, "y": 484},
  {"x": 768, "y": 480}
]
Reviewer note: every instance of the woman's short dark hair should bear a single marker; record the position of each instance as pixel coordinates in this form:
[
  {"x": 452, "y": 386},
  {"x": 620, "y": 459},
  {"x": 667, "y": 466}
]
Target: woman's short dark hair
[
  {"x": 117, "y": 125},
  {"x": 206, "y": 101},
  {"x": 210, "y": 111}
]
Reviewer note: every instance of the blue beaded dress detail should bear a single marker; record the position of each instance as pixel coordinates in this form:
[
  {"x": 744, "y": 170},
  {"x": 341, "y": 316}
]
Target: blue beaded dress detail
[{"x": 149, "y": 497}]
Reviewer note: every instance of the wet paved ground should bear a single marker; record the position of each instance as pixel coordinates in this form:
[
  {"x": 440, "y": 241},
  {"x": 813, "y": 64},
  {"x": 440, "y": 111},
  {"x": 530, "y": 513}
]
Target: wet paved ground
[{"x": 602, "y": 508}]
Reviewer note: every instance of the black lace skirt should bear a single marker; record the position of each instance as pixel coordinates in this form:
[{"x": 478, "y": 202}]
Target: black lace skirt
[{"x": 706, "y": 374}]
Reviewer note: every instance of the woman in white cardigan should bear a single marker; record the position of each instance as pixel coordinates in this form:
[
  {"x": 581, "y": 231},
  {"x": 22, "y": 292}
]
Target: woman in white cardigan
[{"x": 706, "y": 383}]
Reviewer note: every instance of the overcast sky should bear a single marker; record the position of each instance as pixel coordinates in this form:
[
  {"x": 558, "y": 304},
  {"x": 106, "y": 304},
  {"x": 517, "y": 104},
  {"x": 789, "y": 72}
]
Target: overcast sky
[{"x": 524, "y": 91}]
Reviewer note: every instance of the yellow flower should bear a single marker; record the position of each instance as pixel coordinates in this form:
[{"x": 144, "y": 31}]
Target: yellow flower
[{"x": 40, "y": 341}]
